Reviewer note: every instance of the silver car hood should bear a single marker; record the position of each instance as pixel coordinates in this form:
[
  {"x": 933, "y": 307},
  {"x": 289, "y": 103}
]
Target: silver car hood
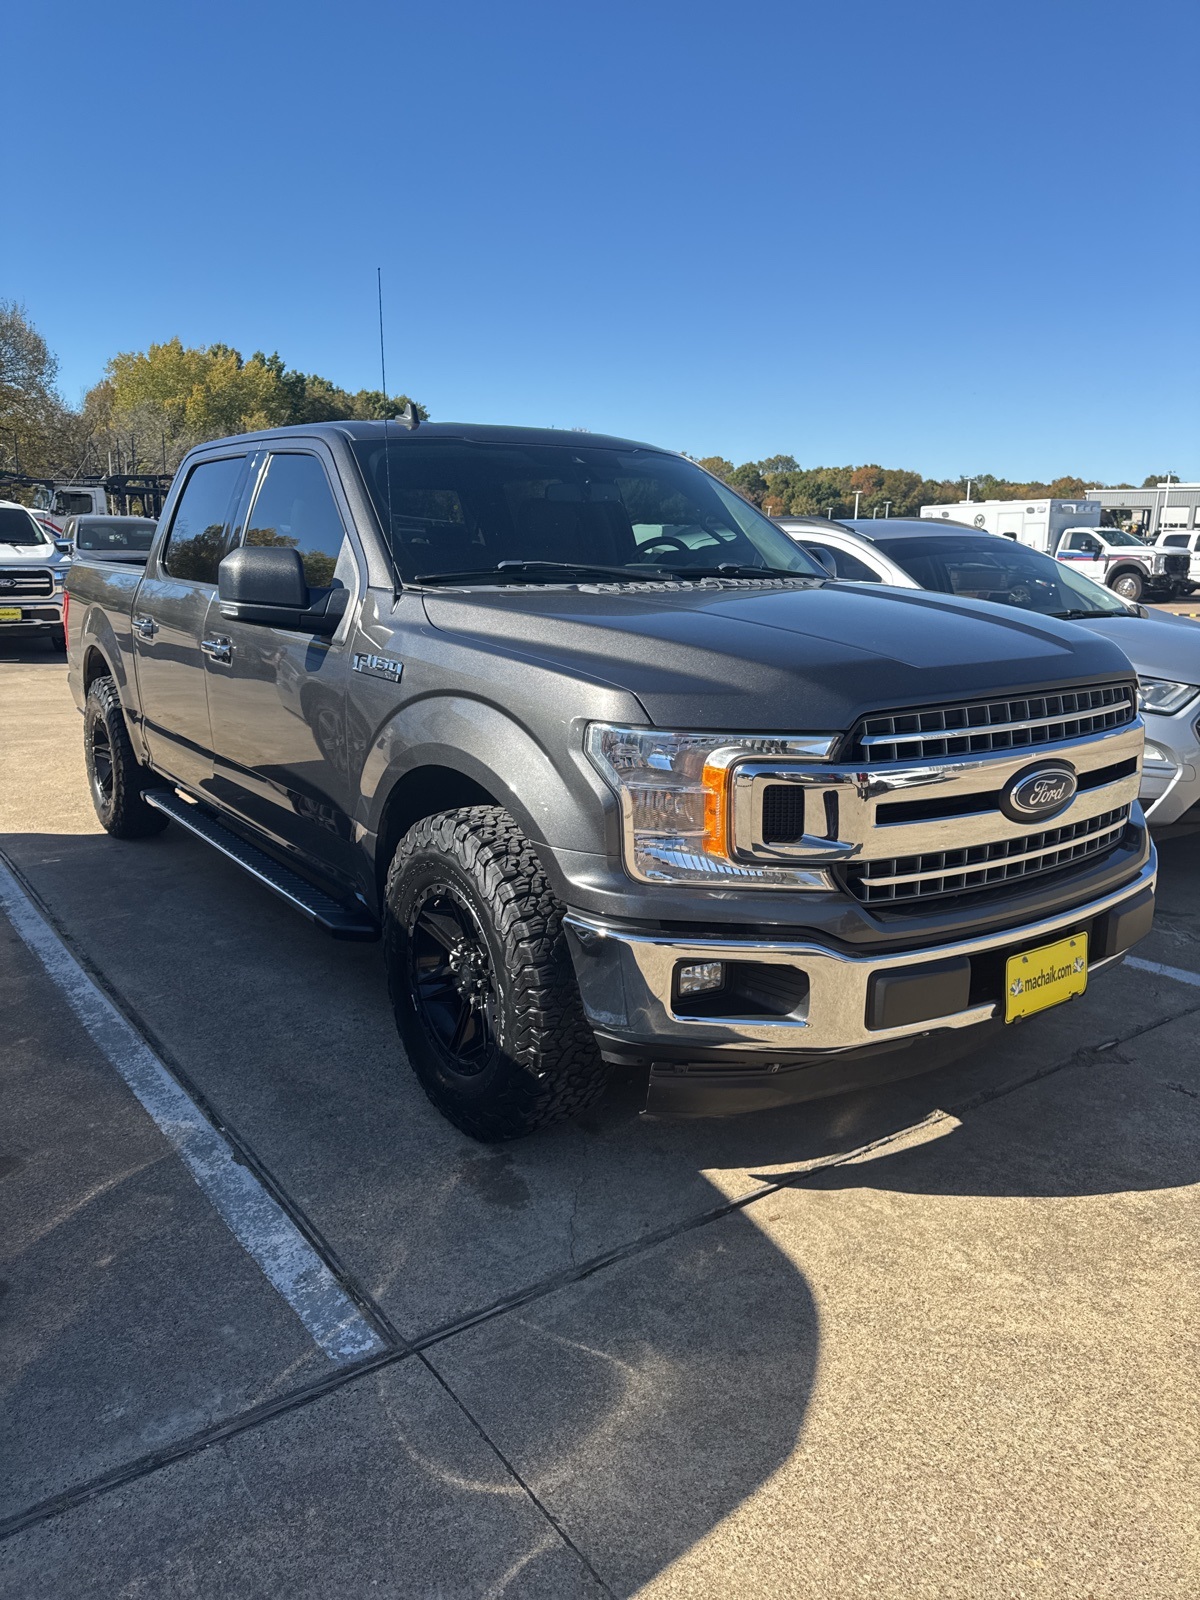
[{"x": 1159, "y": 646}]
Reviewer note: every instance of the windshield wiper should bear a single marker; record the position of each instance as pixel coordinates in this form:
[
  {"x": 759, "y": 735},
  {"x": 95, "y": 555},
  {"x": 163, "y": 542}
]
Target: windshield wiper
[
  {"x": 735, "y": 569},
  {"x": 1072, "y": 616},
  {"x": 550, "y": 571}
]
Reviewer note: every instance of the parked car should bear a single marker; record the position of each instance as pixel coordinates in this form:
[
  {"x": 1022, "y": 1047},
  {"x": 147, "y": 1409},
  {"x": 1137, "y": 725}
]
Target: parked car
[
  {"x": 110, "y": 538},
  {"x": 615, "y": 770},
  {"x": 32, "y": 568},
  {"x": 1164, "y": 650},
  {"x": 1187, "y": 541},
  {"x": 1125, "y": 564}
]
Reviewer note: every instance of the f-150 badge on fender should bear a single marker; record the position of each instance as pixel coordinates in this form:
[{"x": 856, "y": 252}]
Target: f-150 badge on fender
[{"x": 379, "y": 667}]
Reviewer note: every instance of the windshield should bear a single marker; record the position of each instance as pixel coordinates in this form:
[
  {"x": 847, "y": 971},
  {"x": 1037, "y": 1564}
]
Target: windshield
[
  {"x": 117, "y": 533},
  {"x": 990, "y": 568},
  {"x": 464, "y": 508},
  {"x": 18, "y": 527},
  {"x": 1119, "y": 536}
]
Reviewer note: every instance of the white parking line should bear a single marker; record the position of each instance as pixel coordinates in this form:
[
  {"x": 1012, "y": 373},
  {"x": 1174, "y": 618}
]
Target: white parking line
[
  {"x": 1180, "y": 974},
  {"x": 257, "y": 1222}
]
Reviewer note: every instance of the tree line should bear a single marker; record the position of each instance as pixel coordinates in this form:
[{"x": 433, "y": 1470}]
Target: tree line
[
  {"x": 782, "y": 488},
  {"x": 152, "y": 406}
]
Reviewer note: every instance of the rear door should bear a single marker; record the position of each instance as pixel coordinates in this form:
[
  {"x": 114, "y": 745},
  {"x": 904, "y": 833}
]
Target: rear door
[
  {"x": 169, "y": 613},
  {"x": 277, "y": 697}
]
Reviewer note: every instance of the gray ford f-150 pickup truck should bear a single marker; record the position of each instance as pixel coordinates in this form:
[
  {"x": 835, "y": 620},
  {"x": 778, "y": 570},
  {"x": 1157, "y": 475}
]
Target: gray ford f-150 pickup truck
[{"x": 615, "y": 770}]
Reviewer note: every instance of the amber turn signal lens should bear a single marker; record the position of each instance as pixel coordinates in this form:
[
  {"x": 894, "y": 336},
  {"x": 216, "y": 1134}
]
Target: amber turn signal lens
[{"x": 716, "y": 809}]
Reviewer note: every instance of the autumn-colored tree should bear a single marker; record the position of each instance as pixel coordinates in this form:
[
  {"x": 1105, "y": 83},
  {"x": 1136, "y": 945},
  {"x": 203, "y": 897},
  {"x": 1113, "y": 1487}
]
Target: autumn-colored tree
[{"x": 156, "y": 404}]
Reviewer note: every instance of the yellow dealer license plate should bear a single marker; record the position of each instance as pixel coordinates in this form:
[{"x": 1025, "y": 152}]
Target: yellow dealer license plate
[
  {"x": 1046, "y": 977},
  {"x": 10, "y": 613}
]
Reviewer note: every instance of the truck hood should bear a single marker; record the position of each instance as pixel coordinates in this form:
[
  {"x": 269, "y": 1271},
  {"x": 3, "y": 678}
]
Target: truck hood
[
  {"x": 748, "y": 658},
  {"x": 1160, "y": 646},
  {"x": 27, "y": 555}
]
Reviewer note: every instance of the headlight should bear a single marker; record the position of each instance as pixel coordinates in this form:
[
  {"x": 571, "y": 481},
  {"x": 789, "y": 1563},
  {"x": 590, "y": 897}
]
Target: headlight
[
  {"x": 1163, "y": 696},
  {"x": 674, "y": 794}
]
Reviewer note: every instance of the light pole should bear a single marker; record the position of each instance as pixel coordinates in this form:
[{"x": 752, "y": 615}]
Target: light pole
[
  {"x": 970, "y": 481},
  {"x": 857, "y": 497},
  {"x": 1162, "y": 510},
  {"x": 829, "y": 513},
  {"x": 887, "y": 506}
]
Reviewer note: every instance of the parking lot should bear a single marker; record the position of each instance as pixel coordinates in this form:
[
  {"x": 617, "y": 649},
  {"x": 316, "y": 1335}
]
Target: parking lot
[{"x": 289, "y": 1331}]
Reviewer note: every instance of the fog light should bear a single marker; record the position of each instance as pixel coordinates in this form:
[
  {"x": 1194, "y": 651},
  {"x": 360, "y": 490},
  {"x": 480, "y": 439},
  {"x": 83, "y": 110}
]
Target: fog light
[
  {"x": 1156, "y": 756},
  {"x": 698, "y": 977}
]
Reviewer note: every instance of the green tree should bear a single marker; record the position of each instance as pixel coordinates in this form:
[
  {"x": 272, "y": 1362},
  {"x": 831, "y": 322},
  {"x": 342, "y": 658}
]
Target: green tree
[
  {"x": 749, "y": 482},
  {"x": 37, "y": 431},
  {"x": 718, "y": 466},
  {"x": 154, "y": 405}
]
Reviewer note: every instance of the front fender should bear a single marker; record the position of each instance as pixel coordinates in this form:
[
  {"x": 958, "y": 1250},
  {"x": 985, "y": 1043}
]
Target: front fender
[{"x": 560, "y": 801}]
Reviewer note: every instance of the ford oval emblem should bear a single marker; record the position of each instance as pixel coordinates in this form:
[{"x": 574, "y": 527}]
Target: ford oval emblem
[{"x": 1039, "y": 792}]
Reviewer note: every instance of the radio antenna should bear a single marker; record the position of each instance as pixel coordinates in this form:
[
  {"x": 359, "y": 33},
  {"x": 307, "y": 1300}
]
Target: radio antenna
[{"x": 387, "y": 454}]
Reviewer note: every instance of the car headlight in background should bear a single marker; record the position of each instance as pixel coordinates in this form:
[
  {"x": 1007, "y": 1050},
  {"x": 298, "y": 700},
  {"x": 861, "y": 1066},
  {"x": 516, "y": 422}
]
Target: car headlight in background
[
  {"x": 1163, "y": 696},
  {"x": 674, "y": 789}
]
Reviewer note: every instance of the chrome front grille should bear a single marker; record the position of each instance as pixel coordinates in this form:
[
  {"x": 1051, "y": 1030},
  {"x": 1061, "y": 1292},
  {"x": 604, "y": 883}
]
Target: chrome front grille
[
  {"x": 25, "y": 583},
  {"x": 979, "y": 727},
  {"x": 984, "y": 866}
]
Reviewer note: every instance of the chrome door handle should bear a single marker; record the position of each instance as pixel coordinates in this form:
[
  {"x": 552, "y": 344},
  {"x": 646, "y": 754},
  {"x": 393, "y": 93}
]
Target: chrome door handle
[
  {"x": 145, "y": 627},
  {"x": 218, "y": 649}
]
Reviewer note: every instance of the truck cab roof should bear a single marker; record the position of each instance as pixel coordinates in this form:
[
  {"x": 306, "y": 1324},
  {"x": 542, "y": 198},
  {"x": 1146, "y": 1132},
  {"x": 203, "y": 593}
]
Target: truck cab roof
[{"x": 468, "y": 432}]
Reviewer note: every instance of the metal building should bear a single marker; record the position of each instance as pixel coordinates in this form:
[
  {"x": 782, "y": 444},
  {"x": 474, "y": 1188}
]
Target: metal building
[{"x": 1162, "y": 508}]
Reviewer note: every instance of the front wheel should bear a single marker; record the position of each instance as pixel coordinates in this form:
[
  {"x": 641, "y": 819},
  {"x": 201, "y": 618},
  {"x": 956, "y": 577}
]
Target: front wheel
[
  {"x": 1129, "y": 586},
  {"x": 481, "y": 979},
  {"x": 116, "y": 777}
]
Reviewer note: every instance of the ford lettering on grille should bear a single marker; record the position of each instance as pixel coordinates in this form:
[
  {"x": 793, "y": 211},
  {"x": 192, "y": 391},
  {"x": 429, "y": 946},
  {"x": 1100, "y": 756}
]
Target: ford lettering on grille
[{"x": 1039, "y": 792}]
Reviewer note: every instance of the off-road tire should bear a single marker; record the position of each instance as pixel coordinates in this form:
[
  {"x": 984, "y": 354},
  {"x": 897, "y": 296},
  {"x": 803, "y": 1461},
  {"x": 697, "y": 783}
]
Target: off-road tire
[
  {"x": 1129, "y": 585},
  {"x": 544, "y": 1064},
  {"x": 117, "y": 798}
]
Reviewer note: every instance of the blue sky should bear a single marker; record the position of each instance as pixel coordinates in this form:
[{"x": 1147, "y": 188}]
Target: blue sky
[{"x": 956, "y": 237}]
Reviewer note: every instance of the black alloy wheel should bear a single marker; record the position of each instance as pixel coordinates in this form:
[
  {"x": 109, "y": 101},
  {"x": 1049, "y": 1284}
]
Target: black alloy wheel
[
  {"x": 453, "y": 985},
  {"x": 481, "y": 979},
  {"x": 100, "y": 765},
  {"x": 116, "y": 777}
]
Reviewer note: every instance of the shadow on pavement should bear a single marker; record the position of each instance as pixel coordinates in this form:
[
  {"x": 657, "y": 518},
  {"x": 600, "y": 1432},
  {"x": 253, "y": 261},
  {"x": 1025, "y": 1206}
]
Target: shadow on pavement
[{"x": 646, "y": 1402}]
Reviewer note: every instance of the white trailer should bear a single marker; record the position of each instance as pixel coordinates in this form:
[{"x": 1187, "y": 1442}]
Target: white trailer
[{"x": 1038, "y": 523}]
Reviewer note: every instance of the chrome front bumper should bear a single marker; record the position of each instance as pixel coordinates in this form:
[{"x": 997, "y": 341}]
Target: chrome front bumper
[{"x": 627, "y": 980}]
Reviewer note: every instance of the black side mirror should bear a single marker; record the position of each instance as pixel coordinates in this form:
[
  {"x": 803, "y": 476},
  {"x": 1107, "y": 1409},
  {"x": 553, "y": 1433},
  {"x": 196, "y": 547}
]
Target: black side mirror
[
  {"x": 265, "y": 584},
  {"x": 823, "y": 559}
]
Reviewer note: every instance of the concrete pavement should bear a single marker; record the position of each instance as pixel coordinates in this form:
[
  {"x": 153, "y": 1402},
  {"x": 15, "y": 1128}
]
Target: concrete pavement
[{"x": 935, "y": 1340}]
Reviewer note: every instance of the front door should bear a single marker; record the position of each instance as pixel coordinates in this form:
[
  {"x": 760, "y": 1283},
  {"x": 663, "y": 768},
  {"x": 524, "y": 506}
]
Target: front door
[
  {"x": 1085, "y": 553},
  {"x": 277, "y": 697},
  {"x": 170, "y": 609}
]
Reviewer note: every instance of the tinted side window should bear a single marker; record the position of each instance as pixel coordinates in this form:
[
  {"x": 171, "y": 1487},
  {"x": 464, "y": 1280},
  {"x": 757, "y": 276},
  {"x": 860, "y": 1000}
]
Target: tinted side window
[
  {"x": 295, "y": 508},
  {"x": 201, "y": 522},
  {"x": 850, "y": 568}
]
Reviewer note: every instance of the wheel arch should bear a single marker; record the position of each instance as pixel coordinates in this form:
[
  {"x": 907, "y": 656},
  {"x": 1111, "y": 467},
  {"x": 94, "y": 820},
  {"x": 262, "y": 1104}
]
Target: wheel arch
[
  {"x": 421, "y": 792},
  {"x": 447, "y": 751}
]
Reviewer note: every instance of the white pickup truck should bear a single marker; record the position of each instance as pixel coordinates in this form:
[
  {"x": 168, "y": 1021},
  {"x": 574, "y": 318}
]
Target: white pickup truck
[
  {"x": 1125, "y": 564},
  {"x": 33, "y": 566}
]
